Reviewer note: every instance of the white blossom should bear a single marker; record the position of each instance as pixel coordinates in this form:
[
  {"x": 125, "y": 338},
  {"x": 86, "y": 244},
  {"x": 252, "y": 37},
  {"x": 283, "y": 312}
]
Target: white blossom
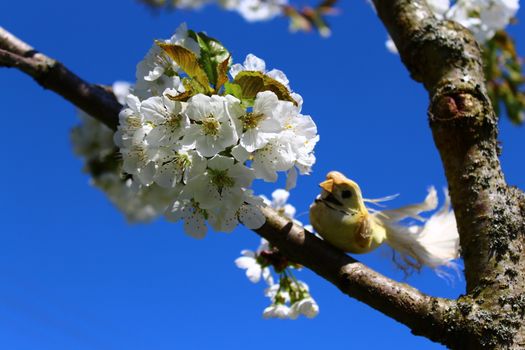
[
  {"x": 291, "y": 177},
  {"x": 137, "y": 162},
  {"x": 221, "y": 184},
  {"x": 215, "y": 130},
  {"x": 306, "y": 306},
  {"x": 254, "y": 270},
  {"x": 261, "y": 124},
  {"x": 93, "y": 141},
  {"x": 276, "y": 291},
  {"x": 292, "y": 121},
  {"x": 277, "y": 155},
  {"x": 140, "y": 204},
  {"x": 193, "y": 216},
  {"x": 131, "y": 127},
  {"x": 224, "y": 218},
  {"x": 177, "y": 165},
  {"x": 276, "y": 311},
  {"x": 294, "y": 296},
  {"x": 250, "y": 213},
  {"x": 250, "y": 10},
  {"x": 260, "y": 10},
  {"x": 279, "y": 203},
  {"x": 130, "y": 137},
  {"x": 302, "y": 132},
  {"x": 439, "y": 7},
  {"x": 251, "y": 63},
  {"x": 169, "y": 123},
  {"x": 121, "y": 89},
  {"x": 483, "y": 17}
]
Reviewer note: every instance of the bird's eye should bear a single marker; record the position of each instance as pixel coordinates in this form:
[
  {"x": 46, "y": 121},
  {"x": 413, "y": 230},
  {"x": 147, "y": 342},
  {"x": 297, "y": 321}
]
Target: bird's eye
[{"x": 346, "y": 194}]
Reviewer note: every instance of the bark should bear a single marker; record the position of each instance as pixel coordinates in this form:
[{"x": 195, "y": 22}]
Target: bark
[{"x": 446, "y": 59}]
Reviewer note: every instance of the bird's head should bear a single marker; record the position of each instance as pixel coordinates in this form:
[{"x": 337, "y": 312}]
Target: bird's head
[{"x": 342, "y": 192}]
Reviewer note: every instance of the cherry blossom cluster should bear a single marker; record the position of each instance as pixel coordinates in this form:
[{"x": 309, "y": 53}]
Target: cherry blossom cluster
[
  {"x": 93, "y": 142},
  {"x": 289, "y": 297},
  {"x": 303, "y": 17},
  {"x": 250, "y": 10},
  {"x": 203, "y": 136},
  {"x": 483, "y": 17},
  {"x": 255, "y": 10}
]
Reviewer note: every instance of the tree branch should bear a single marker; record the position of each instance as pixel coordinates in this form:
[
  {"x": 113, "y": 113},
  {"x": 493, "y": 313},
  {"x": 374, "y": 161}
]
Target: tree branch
[
  {"x": 52, "y": 75},
  {"x": 445, "y": 57},
  {"x": 423, "y": 314}
]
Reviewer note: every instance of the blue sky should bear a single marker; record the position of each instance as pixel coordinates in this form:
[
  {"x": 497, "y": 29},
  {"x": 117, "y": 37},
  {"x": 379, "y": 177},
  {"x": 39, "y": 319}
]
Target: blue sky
[{"x": 75, "y": 275}]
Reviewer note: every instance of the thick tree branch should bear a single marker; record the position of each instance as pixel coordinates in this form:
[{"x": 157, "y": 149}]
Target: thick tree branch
[
  {"x": 425, "y": 315},
  {"x": 52, "y": 75},
  {"x": 446, "y": 58}
]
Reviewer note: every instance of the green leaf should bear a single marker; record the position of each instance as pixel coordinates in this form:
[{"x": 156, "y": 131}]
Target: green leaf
[
  {"x": 213, "y": 55},
  {"x": 253, "y": 82},
  {"x": 189, "y": 63},
  {"x": 233, "y": 89},
  {"x": 236, "y": 90}
]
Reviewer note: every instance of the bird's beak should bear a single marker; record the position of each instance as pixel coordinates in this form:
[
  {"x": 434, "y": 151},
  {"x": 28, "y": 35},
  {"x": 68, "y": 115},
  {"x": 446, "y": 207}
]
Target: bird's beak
[{"x": 327, "y": 185}]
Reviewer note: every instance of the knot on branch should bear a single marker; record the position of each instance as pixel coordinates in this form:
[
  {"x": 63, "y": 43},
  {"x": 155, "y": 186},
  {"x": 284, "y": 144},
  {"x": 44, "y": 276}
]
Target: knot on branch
[
  {"x": 458, "y": 99},
  {"x": 456, "y": 105}
]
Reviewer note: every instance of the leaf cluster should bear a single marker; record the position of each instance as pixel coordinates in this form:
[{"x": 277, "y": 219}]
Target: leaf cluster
[{"x": 207, "y": 73}]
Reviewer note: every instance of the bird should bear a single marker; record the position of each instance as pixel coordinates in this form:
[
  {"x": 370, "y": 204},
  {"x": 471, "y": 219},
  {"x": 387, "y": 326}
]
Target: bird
[{"x": 339, "y": 215}]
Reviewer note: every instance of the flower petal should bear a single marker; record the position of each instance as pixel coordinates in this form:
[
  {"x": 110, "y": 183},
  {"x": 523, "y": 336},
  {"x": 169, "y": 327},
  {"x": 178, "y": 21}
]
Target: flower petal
[{"x": 251, "y": 216}]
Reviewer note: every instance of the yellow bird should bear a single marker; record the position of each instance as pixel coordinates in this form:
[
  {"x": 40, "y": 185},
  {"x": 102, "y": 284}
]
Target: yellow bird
[{"x": 340, "y": 216}]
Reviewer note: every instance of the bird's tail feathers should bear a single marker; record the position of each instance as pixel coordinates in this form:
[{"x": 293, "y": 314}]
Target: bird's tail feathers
[
  {"x": 413, "y": 210},
  {"x": 435, "y": 243},
  {"x": 378, "y": 201}
]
